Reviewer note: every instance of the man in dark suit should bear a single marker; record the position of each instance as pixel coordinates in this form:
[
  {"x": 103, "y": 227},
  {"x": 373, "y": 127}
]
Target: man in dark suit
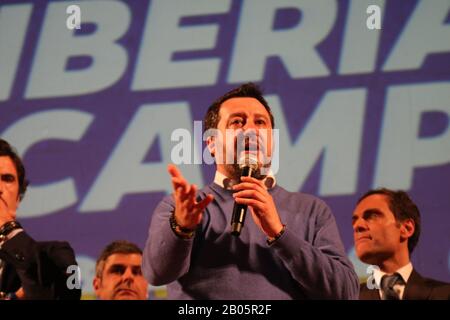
[
  {"x": 28, "y": 269},
  {"x": 386, "y": 227}
]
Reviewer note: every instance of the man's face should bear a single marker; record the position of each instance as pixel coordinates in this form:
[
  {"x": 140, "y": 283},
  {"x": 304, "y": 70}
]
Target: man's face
[
  {"x": 377, "y": 235},
  {"x": 242, "y": 115},
  {"x": 9, "y": 189},
  {"x": 122, "y": 278}
]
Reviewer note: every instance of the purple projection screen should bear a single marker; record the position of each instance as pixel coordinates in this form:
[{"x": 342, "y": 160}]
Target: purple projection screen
[{"x": 360, "y": 90}]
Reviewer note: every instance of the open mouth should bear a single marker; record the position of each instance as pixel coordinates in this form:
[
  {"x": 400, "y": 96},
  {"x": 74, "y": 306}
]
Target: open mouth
[
  {"x": 252, "y": 144},
  {"x": 251, "y": 147}
]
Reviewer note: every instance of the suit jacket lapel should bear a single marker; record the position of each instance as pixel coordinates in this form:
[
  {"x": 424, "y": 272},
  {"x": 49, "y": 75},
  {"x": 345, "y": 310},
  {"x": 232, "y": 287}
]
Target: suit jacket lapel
[
  {"x": 416, "y": 288},
  {"x": 368, "y": 294},
  {"x": 10, "y": 282}
]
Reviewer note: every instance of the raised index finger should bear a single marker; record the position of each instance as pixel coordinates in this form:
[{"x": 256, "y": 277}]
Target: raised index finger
[
  {"x": 177, "y": 178},
  {"x": 174, "y": 171}
]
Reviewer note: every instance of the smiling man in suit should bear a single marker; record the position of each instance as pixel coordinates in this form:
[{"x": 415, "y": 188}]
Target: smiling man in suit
[{"x": 386, "y": 229}]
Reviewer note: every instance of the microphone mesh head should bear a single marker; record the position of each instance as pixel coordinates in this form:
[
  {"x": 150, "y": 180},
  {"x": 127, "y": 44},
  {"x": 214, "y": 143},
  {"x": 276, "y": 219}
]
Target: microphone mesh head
[{"x": 248, "y": 160}]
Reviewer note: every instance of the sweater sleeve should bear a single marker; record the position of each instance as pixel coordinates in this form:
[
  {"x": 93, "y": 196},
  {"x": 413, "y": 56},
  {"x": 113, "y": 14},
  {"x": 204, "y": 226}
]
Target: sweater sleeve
[
  {"x": 319, "y": 265},
  {"x": 166, "y": 256}
]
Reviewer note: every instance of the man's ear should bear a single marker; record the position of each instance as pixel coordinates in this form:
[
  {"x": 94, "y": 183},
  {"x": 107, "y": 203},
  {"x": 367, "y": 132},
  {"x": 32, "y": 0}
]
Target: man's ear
[
  {"x": 407, "y": 228},
  {"x": 96, "y": 283},
  {"x": 211, "y": 143}
]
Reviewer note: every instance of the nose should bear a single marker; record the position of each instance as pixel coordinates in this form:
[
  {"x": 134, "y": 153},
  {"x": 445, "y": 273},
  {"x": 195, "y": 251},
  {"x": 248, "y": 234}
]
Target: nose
[
  {"x": 249, "y": 134},
  {"x": 250, "y": 125},
  {"x": 360, "y": 226},
  {"x": 128, "y": 275}
]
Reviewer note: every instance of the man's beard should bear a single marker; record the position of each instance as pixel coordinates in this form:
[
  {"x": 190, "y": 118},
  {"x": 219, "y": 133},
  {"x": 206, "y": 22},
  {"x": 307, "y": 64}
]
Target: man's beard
[
  {"x": 235, "y": 172},
  {"x": 258, "y": 150}
]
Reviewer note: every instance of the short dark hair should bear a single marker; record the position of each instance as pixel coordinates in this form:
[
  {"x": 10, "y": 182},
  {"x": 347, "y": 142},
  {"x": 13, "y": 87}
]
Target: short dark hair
[
  {"x": 118, "y": 246},
  {"x": 249, "y": 89},
  {"x": 6, "y": 150},
  {"x": 403, "y": 208}
]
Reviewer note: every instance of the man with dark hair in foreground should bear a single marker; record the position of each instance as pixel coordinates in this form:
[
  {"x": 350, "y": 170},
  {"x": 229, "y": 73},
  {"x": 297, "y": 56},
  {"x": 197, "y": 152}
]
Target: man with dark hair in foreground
[{"x": 290, "y": 246}]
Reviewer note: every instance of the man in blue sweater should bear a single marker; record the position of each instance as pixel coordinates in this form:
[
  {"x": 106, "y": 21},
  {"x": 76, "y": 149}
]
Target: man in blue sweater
[{"x": 289, "y": 249}]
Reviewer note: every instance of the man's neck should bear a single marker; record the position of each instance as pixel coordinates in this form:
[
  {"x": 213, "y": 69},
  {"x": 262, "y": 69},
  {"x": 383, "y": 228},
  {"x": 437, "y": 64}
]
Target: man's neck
[
  {"x": 222, "y": 170},
  {"x": 394, "y": 263}
]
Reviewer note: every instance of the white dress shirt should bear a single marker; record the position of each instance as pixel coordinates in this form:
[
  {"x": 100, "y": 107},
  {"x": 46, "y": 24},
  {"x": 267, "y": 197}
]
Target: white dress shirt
[{"x": 399, "y": 287}]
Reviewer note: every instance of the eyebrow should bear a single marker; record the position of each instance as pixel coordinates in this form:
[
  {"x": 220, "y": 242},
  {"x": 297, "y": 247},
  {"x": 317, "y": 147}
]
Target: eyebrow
[
  {"x": 367, "y": 211},
  {"x": 237, "y": 114},
  {"x": 243, "y": 114},
  {"x": 115, "y": 265},
  {"x": 372, "y": 210},
  {"x": 261, "y": 115},
  {"x": 124, "y": 265},
  {"x": 7, "y": 175}
]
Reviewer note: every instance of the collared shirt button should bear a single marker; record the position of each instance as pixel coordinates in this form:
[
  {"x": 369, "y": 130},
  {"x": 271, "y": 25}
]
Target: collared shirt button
[{"x": 19, "y": 257}]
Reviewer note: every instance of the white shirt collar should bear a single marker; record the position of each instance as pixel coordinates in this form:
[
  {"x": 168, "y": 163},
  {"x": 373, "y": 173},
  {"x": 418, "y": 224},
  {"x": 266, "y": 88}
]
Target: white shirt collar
[
  {"x": 226, "y": 183},
  {"x": 404, "y": 271}
]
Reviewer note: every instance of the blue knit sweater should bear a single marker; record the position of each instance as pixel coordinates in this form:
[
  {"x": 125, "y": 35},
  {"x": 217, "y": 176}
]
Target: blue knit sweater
[{"x": 307, "y": 262}]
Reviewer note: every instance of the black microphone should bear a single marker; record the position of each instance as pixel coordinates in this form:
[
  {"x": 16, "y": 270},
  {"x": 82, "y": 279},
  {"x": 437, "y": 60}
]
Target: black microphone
[{"x": 248, "y": 165}]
